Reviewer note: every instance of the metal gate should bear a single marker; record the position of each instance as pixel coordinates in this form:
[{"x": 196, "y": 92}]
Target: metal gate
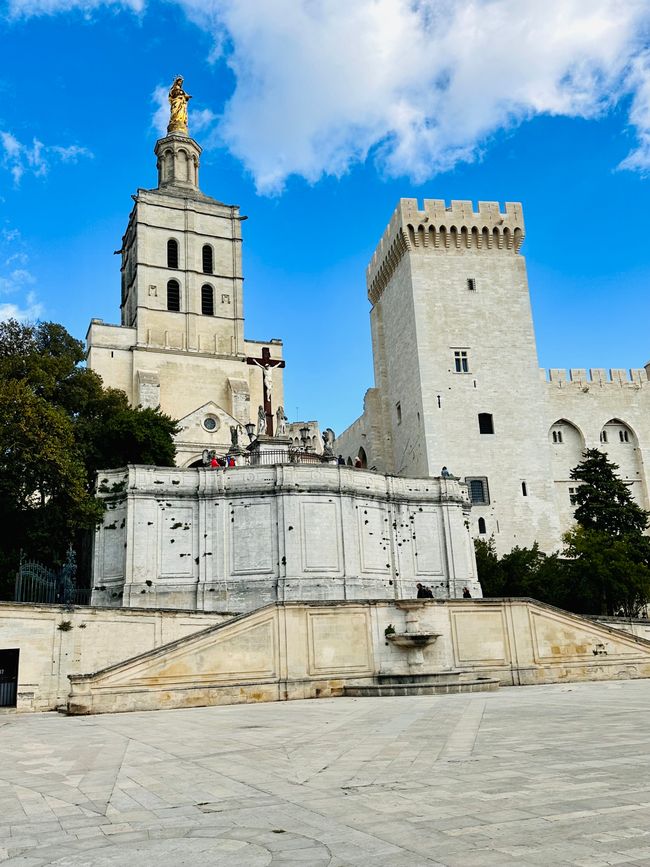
[{"x": 8, "y": 677}]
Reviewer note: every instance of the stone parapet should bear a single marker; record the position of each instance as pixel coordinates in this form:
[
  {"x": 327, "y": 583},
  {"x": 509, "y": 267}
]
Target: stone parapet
[{"x": 444, "y": 228}]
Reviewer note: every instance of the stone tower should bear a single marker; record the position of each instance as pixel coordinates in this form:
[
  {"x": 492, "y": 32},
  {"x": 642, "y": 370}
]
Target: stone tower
[
  {"x": 181, "y": 342},
  {"x": 456, "y": 372}
]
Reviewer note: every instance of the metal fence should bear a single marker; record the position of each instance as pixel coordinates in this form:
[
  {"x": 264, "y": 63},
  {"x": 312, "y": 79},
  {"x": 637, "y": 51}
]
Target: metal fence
[{"x": 36, "y": 583}]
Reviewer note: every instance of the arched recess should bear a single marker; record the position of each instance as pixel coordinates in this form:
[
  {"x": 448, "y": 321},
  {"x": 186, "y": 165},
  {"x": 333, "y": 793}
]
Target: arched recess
[
  {"x": 349, "y": 462},
  {"x": 621, "y": 445},
  {"x": 481, "y": 526},
  {"x": 362, "y": 457},
  {"x": 567, "y": 444}
]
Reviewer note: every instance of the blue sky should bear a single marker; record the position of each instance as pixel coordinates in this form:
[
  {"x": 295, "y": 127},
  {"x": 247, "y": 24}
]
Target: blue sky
[{"x": 316, "y": 117}]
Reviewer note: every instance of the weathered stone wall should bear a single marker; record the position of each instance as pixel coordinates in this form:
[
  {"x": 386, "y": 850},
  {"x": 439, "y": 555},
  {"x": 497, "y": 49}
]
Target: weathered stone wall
[
  {"x": 308, "y": 650},
  {"x": 55, "y": 641},
  {"x": 235, "y": 539}
]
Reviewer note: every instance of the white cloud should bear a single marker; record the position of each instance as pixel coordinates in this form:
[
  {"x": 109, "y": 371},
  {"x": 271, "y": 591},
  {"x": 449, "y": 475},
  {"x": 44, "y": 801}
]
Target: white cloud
[
  {"x": 26, "y": 8},
  {"x": 417, "y": 85},
  {"x": 35, "y": 158},
  {"x": 17, "y": 280},
  {"x": 420, "y": 85},
  {"x": 29, "y": 312}
]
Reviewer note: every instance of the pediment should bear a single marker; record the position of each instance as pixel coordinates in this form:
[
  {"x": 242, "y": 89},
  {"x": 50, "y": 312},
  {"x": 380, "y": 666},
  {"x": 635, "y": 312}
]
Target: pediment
[{"x": 209, "y": 423}]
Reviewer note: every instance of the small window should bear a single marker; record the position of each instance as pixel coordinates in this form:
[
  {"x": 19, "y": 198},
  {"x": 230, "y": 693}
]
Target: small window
[
  {"x": 471, "y": 284},
  {"x": 557, "y": 436},
  {"x": 485, "y": 423},
  {"x": 207, "y": 259},
  {"x": 398, "y": 410},
  {"x": 172, "y": 253},
  {"x": 461, "y": 362},
  {"x": 624, "y": 436},
  {"x": 173, "y": 296},
  {"x": 572, "y": 496},
  {"x": 603, "y": 436},
  {"x": 524, "y": 489},
  {"x": 481, "y": 526},
  {"x": 207, "y": 300},
  {"x": 479, "y": 494}
]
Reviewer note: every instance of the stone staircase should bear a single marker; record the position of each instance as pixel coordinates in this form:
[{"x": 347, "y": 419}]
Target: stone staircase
[{"x": 434, "y": 683}]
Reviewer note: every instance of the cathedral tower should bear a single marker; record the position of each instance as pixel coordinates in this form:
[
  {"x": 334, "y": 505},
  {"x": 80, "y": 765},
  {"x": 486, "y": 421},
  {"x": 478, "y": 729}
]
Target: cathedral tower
[{"x": 181, "y": 342}]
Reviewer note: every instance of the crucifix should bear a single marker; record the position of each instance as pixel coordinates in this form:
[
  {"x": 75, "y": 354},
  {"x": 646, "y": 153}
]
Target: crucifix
[{"x": 266, "y": 363}]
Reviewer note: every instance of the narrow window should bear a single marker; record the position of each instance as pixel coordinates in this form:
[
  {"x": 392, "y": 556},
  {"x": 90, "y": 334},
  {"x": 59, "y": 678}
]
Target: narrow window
[
  {"x": 471, "y": 284},
  {"x": 623, "y": 436},
  {"x": 439, "y": 401},
  {"x": 207, "y": 300},
  {"x": 173, "y": 296},
  {"x": 479, "y": 494},
  {"x": 461, "y": 362},
  {"x": 398, "y": 410},
  {"x": 524, "y": 489},
  {"x": 485, "y": 423},
  {"x": 481, "y": 526},
  {"x": 557, "y": 436},
  {"x": 172, "y": 253},
  {"x": 207, "y": 259},
  {"x": 603, "y": 436},
  {"x": 572, "y": 496}
]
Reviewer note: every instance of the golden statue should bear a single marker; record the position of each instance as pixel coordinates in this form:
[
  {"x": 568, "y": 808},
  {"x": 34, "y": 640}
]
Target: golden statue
[{"x": 178, "y": 100}]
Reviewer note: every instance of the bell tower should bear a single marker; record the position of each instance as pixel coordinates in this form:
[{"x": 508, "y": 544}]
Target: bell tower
[{"x": 180, "y": 344}]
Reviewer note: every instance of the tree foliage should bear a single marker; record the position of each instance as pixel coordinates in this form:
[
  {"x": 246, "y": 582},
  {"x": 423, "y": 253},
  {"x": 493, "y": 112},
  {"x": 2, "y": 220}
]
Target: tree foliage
[
  {"x": 58, "y": 426},
  {"x": 605, "y": 565}
]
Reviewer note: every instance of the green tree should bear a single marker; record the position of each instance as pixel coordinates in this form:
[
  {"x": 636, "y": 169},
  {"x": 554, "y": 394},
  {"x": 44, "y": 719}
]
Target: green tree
[
  {"x": 608, "y": 549},
  {"x": 58, "y": 426},
  {"x": 520, "y": 572}
]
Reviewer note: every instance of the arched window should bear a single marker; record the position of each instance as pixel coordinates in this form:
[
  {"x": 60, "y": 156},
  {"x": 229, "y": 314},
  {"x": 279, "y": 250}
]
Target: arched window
[
  {"x": 207, "y": 259},
  {"x": 207, "y": 300},
  {"x": 481, "y": 526},
  {"x": 173, "y": 295},
  {"x": 172, "y": 253},
  {"x": 485, "y": 423},
  {"x": 362, "y": 457},
  {"x": 349, "y": 462}
]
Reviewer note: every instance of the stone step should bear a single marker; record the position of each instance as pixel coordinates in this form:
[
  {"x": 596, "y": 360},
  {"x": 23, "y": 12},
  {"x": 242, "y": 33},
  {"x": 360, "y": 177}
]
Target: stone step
[
  {"x": 483, "y": 684},
  {"x": 450, "y": 676}
]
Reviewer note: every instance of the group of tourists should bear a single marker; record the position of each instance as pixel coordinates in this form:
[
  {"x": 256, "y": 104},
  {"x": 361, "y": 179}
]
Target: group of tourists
[{"x": 427, "y": 592}]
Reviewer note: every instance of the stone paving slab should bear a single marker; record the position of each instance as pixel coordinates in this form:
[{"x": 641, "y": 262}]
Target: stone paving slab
[{"x": 547, "y": 775}]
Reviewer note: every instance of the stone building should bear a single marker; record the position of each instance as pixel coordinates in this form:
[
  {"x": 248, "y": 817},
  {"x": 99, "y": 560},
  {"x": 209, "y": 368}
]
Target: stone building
[
  {"x": 180, "y": 344},
  {"x": 457, "y": 380}
]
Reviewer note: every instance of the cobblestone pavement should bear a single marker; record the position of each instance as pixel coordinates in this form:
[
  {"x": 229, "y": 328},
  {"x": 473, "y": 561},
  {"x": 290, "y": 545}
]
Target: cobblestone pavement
[{"x": 536, "y": 775}]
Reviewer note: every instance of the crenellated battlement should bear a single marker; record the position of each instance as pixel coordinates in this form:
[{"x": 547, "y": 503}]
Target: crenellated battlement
[
  {"x": 442, "y": 227},
  {"x": 580, "y": 377}
]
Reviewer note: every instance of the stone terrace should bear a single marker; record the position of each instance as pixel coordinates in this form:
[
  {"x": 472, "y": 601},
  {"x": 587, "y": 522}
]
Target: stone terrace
[{"x": 544, "y": 775}]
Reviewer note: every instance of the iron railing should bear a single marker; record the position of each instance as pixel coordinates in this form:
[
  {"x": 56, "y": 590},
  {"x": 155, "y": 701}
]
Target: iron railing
[{"x": 36, "y": 583}]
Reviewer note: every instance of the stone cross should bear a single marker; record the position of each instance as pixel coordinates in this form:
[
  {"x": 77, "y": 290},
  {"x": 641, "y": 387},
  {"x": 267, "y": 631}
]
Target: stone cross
[{"x": 267, "y": 364}]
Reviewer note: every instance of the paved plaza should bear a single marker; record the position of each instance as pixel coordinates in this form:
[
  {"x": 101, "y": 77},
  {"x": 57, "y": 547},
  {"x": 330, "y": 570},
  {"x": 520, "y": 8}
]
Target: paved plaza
[{"x": 532, "y": 775}]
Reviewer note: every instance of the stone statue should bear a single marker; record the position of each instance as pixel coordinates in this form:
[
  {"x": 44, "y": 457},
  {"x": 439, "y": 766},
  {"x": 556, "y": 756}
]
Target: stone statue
[
  {"x": 261, "y": 420},
  {"x": 328, "y": 442},
  {"x": 267, "y": 374},
  {"x": 281, "y": 423},
  {"x": 178, "y": 100},
  {"x": 234, "y": 435}
]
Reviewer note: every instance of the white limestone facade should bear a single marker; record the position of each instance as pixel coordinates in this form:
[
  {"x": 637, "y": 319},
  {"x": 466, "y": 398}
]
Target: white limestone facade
[
  {"x": 457, "y": 380},
  {"x": 235, "y": 539},
  {"x": 181, "y": 344}
]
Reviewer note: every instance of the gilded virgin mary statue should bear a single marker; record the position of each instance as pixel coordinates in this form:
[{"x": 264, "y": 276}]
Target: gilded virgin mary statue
[{"x": 178, "y": 100}]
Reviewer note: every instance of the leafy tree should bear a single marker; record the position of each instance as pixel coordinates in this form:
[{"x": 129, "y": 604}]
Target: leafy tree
[
  {"x": 604, "y": 502},
  {"x": 608, "y": 549},
  {"x": 58, "y": 426},
  {"x": 521, "y": 572}
]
